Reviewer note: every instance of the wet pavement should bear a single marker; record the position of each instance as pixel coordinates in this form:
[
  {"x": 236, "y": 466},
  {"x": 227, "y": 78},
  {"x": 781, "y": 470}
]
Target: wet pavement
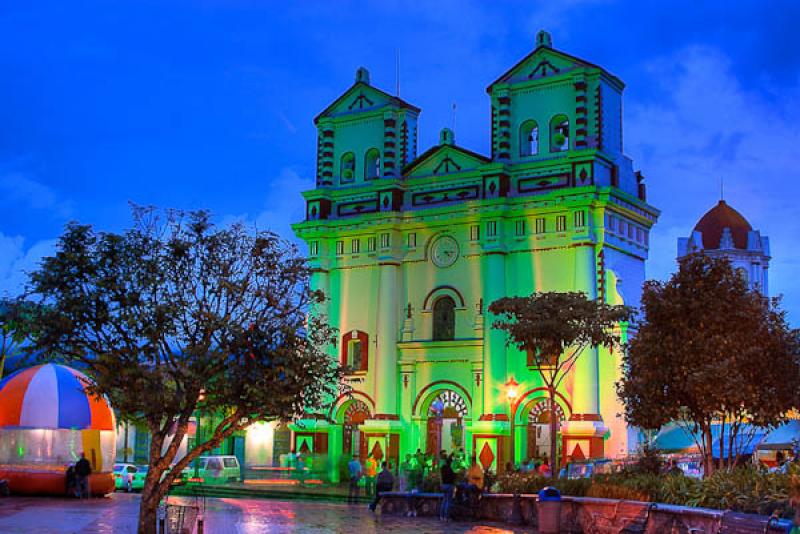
[{"x": 118, "y": 514}]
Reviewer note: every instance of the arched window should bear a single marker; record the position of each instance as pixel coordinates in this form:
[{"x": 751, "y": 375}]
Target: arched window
[
  {"x": 528, "y": 139},
  {"x": 355, "y": 350},
  {"x": 348, "y": 168},
  {"x": 372, "y": 164},
  {"x": 559, "y": 133},
  {"x": 444, "y": 319}
]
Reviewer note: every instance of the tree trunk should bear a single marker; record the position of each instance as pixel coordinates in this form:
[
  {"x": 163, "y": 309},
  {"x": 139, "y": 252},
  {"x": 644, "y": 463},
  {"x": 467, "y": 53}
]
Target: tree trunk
[
  {"x": 709, "y": 455},
  {"x": 553, "y": 433},
  {"x": 148, "y": 509}
]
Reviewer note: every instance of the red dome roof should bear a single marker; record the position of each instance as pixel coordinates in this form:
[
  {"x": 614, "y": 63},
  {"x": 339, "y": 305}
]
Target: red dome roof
[{"x": 718, "y": 218}]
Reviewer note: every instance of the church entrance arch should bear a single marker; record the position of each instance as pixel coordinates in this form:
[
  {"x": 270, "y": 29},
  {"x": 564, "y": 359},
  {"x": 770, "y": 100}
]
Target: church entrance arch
[
  {"x": 353, "y": 442},
  {"x": 536, "y": 419},
  {"x": 446, "y": 413}
]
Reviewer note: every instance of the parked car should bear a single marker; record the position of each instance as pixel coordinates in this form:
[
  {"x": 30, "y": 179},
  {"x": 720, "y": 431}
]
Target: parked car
[
  {"x": 123, "y": 476},
  {"x": 216, "y": 470}
]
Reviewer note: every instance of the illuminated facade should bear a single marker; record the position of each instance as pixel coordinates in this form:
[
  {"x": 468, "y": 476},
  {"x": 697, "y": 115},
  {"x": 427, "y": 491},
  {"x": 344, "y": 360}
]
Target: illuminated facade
[
  {"x": 411, "y": 249},
  {"x": 724, "y": 232}
]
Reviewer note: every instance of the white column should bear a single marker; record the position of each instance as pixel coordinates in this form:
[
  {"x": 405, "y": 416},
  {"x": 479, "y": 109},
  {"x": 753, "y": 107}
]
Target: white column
[
  {"x": 494, "y": 340},
  {"x": 385, "y": 374},
  {"x": 586, "y": 398}
]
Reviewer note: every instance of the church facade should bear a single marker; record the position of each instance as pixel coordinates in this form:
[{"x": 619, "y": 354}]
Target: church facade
[
  {"x": 722, "y": 232},
  {"x": 412, "y": 248}
]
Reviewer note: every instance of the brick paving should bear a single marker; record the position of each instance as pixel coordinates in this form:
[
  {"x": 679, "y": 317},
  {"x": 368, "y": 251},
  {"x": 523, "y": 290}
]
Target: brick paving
[{"x": 118, "y": 514}]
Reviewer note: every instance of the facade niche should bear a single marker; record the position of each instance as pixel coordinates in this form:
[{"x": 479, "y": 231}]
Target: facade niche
[
  {"x": 559, "y": 133},
  {"x": 348, "y": 167},
  {"x": 528, "y": 139},
  {"x": 372, "y": 164}
]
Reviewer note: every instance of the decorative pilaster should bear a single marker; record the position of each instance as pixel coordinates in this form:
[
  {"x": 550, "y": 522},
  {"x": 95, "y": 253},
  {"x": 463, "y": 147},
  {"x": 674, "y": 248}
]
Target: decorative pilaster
[
  {"x": 503, "y": 130},
  {"x": 389, "y": 160},
  {"x": 598, "y": 118},
  {"x": 584, "y": 432},
  {"x": 385, "y": 368},
  {"x": 325, "y": 154},
  {"x": 581, "y": 121},
  {"x": 494, "y": 340}
]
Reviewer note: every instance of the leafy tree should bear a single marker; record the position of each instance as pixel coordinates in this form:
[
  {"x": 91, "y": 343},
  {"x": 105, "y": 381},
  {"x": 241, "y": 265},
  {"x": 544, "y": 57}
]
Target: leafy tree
[
  {"x": 18, "y": 320},
  {"x": 710, "y": 351},
  {"x": 553, "y": 329},
  {"x": 177, "y": 314}
]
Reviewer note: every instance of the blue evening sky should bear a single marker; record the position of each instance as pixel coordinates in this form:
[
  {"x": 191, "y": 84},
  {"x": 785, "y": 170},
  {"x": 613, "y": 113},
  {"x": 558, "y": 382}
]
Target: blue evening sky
[{"x": 210, "y": 104}]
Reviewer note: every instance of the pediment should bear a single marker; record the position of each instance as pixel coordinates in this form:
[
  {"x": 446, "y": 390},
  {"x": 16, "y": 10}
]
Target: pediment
[
  {"x": 444, "y": 159},
  {"x": 544, "y": 62},
  {"x": 362, "y": 97}
]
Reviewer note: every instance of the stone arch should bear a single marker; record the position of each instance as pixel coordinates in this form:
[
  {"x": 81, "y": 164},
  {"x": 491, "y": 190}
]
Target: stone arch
[
  {"x": 429, "y": 394},
  {"x": 442, "y": 291},
  {"x": 527, "y": 400},
  {"x": 340, "y": 405}
]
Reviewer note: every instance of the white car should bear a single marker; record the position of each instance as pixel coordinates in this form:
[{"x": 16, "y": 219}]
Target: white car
[{"x": 123, "y": 476}]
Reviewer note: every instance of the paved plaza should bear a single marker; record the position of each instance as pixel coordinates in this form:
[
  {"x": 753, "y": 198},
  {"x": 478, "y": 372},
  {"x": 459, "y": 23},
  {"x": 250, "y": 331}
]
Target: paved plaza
[{"x": 118, "y": 514}]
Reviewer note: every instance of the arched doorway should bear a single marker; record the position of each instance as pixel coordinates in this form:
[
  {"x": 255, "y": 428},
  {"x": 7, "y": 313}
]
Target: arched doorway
[
  {"x": 445, "y": 428},
  {"x": 354, "y": 416},
  {"x": 538, "y": 428}
]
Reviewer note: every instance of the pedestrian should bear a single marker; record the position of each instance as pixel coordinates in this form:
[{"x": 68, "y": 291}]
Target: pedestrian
[
  {"x": 370, "y": 471},
  {"x": 354, "y": 468},
  {"x": 71, "y": 481},
  {"x": 301, "y": 469},
  {"x": 82, "y": 471},
  {"x": 384, "y": 483},
  {"x": 448, "y": 486},
  {"x": 405, "y": 475},
  {"x": 544, "y": 469}
]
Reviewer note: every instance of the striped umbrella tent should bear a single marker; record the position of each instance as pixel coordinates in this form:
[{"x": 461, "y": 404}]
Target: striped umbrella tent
[
  {"x": 47, "y": 418},
  {"x": 52, "y": 396}
]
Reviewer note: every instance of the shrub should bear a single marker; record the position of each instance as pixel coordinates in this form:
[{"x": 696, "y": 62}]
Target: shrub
[{"x": 648, "y": 462}]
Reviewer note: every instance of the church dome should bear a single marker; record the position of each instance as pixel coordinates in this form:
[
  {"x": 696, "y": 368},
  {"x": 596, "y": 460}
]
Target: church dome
[{"x": 722, "y": 216}]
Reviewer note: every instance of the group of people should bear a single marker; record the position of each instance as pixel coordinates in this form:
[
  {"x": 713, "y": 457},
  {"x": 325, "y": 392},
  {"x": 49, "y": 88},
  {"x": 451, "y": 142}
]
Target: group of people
[
  {"x": 78, "y": 478},
  {"x": 533, "y": 465},
  {"x": 456, "y": 475}
]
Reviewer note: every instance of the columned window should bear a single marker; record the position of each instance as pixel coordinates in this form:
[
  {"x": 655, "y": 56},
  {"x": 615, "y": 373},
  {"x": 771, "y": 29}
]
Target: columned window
[
  {"x": 444, "y": 319},
  {"x": 528, "y": 139}
]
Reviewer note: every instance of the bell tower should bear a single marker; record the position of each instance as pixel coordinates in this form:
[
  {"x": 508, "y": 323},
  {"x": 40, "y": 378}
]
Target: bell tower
[{"x": 366, "y": 134}]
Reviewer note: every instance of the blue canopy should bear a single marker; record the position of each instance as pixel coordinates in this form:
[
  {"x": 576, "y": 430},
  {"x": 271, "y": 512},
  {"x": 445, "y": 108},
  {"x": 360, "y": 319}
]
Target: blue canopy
[
  {"x": 783, "y": 437},
  {"x": 675, "y": 439}
]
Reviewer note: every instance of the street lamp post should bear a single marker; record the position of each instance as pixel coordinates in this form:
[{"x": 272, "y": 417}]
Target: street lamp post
[{"x": 511, "y": 393}]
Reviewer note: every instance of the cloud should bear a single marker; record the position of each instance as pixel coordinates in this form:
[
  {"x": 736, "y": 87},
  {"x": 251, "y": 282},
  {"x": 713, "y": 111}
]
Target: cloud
[
  {"x": 283, "y": 205},
  {"x": 700, "y": 126},
  {"x": 20, "y": 187},
  {"x": 17, "y": 260}
]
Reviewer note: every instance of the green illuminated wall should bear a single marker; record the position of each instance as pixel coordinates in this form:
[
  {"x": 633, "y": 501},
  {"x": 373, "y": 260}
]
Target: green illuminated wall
[{"x": 594, "y": 238}]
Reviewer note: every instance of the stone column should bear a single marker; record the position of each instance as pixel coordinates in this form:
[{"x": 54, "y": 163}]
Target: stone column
[
  {"x": 494, "y": 340},
  {"x": 385, "y": 370},
  {"x": 584, "y": 432}
]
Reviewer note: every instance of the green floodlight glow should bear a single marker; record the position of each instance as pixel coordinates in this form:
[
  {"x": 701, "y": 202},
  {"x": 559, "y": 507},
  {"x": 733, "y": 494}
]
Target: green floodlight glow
[{"x": 392, "y": 234}]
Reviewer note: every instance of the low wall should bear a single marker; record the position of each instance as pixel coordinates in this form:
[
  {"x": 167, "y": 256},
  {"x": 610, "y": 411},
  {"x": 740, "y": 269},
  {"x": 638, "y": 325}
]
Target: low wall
[{"x": 601, "y": 516}]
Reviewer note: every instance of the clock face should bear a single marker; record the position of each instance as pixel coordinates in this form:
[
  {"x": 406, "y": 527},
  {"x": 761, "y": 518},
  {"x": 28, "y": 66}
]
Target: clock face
[{"x": 444, "y": 251}]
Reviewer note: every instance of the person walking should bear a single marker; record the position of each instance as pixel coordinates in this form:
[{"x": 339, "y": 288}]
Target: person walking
[
  {"x": 448, "y": 486},
  {"x": 82, "y": 471},
  {"x": 354, "y": 468},
  {"x": 370, "y": 471},
  {"x": 404, "y": 482},
  {"x": 384, "y": 482}
]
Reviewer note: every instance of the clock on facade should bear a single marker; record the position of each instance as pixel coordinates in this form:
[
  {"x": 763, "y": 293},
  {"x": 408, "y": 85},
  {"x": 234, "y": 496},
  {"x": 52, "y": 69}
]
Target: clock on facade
[{"x": 444, "y": 251}]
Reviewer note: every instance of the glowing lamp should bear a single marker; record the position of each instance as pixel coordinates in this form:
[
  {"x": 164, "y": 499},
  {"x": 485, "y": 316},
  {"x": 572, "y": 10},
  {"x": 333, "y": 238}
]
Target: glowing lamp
[{"x": 511, "y": 389}]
